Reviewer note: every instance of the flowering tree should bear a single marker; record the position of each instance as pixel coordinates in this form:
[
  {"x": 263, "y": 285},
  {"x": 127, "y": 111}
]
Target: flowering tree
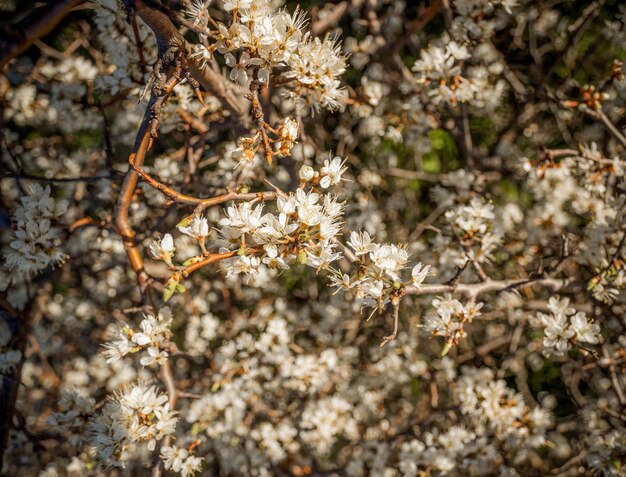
[{"x": 250, "y": 238}]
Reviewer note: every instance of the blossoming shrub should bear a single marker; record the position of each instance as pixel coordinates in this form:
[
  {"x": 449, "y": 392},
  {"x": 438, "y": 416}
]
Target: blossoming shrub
[{"x": 353, "y": 238}]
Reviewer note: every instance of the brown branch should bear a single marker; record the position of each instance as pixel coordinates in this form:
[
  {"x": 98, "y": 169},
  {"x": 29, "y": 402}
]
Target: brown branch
[
  {"x": 142, "y": 144},
  {"x": 168, "y": 379},
  {"x": 166, "y": 34},
  {"x": 259, "y": 118},
  {"x": 39, "y": 24},
  {"x": 416, "y": 25},
  {"x": 396, "y": 320},
  {"x": 209, "y": 77},
  {"x": 599, "y": 115},
  {"x": 332, "y": 18},
  {"x": 614, "y": 378},
  {"x": 485, "y": 349},
  {"x": 472, "y": 290},
  {"x": 212, "y": 258},
  {"x": 19, "y": 323},
  {"x": 190, "y": 200}
]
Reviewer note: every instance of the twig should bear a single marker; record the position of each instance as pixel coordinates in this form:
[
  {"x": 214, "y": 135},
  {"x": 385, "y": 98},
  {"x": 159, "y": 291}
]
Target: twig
[
  {"x": 416, "y": 25},
  {"x": 484, "y": 349},
  {"x": 599, "y": 115},
  {"x": 614, "y": 380},
  {"x": 331, "y": 19},
  {"x": 189, "y": 200},
  {"x": 170, "y": 385},
  {"x": 26, "y": 176},
  {"x": 259, "y": 118},
  {"x": 392, "y": 336}
]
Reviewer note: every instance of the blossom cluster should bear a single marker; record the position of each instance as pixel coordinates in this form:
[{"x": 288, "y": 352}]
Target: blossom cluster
[
  {"x": 448, "y": 319},
  {"x": 180, "y": 460},
  {"x": 37, "y": 242},
  {"x": 379, "y": 279},
  {"x": 73, "y": 416},
  {"x": 138, "y": 414},
  {"x": 153, "y": 338},
  {"x": 564, "y": 326},
  {"x": 496, "y": 413},
  {"x": 259, "y": 40}
]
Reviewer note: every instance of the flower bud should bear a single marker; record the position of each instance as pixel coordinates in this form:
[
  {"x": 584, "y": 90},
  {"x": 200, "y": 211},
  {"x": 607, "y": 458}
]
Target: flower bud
[{"x": 306, "y": 173}]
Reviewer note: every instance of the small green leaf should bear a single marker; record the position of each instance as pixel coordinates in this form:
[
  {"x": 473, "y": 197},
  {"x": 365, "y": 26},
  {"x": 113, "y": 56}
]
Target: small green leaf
[
  {"x": 170, "y": 287},
  {"x": 185, "y": 222},
  {"x": 446, "y": 348},
  {"x": 191, "y": 260},
  {"x": 301, "y": 257}
]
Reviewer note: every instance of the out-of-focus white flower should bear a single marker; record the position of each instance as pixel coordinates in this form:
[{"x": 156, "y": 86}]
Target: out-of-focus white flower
[
  {"x": 155, "y": 332},
  {"x": 178, "y": 459},
  {"x": 586, "y": 331},
  {"x": 450, "y": 319},
  {"x": 9, "y": 360},
  {"x": 563, "y": 325},
  {"x": 37, "y": 240},
  {"x": 557, "y": 332},
  {"x": 230, "y": 5}
]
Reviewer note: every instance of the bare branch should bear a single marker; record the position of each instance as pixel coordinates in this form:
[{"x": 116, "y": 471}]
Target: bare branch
[{"x": 39, "y": 24}]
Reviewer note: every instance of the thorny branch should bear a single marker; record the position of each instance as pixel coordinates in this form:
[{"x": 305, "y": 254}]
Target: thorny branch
[{"x": 160, "y": 91}]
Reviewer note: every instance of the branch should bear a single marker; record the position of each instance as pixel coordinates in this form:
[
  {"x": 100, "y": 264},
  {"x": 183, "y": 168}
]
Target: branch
[
  {"x": 26, "y": 176},
  {"x": 473, "y": 290},
  {"x": 168, "y": 37},
  {"x": 394, "y": 333},
  {"x": 189, "y": 200},
  {"x": 168, "y": 379},
  {"x": 599, "y": 115},
  {"x": 320, "y": 26},
  {"x": 39, "y": 24},
  {"x": 142, "y": 144},
  {"x": 19, "y": 324}
]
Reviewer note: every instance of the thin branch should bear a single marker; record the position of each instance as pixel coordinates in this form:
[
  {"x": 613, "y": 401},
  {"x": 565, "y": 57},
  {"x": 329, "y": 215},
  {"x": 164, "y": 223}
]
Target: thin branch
[
  {"x": 473, "y": 290},
  {"x": 331, "y": 19},
  {"x": 40, "y": 23},
  {"x": 190, "y": 200},
  {"x": 394, "y": 333},
  {"x": 599, "y": 115},
  {"x": 168, "y": 379},
  {"x": 26, "y": 176},
  {"x": 614, "y": 378}
]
